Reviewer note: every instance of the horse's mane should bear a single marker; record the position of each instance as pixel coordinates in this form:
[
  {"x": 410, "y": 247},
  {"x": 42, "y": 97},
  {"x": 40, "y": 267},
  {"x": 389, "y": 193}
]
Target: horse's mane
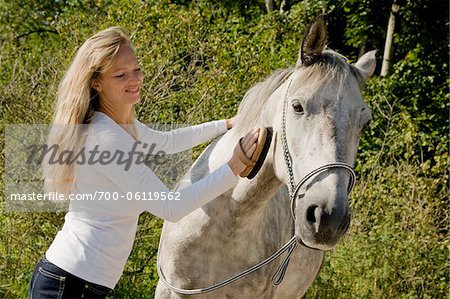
[
  {"x": 329, "y": 66},
  {"x": 255, "y": 98},
  {"x": 332, "y": 65}
]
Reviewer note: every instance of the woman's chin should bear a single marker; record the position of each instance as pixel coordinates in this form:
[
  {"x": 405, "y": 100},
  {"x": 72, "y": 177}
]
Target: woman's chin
[{"x": 134, "y": 99}]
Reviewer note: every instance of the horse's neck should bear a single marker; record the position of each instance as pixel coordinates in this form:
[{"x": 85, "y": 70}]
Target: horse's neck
[{"x": 248, "y": 200}]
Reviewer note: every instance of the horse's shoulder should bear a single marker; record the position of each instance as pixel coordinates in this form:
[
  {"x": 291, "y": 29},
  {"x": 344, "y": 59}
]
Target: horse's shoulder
[{"x": 200, "y": 168}]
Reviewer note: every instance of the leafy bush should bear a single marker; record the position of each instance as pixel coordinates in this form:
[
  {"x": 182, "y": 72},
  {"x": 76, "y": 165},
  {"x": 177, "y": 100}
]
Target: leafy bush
[{"x": 199, "y": 59}]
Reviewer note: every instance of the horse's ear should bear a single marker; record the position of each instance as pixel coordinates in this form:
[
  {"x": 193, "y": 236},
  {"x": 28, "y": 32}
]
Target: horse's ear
[
  {"x": 314, "y": 42},
  {"x": 366, "y": 64}
]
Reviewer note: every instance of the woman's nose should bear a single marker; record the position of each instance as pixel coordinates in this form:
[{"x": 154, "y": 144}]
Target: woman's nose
[{"x": 137, "y": 76}]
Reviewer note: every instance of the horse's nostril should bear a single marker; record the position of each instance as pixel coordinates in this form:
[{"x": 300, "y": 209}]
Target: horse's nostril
[
  {"x": 310, "y": 214},
  {"x": 314, "y": 216}
]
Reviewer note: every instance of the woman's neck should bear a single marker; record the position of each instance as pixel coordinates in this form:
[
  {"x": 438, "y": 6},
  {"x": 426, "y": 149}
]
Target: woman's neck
[{"x": 120, "y": 115}]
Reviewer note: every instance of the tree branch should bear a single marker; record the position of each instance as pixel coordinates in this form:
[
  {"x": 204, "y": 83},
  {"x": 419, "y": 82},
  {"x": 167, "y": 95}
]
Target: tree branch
[{"x": 42, "y": 30}]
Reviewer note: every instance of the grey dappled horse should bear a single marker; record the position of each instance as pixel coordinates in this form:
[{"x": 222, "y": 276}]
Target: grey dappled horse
[{"x": 317, "y": 114}]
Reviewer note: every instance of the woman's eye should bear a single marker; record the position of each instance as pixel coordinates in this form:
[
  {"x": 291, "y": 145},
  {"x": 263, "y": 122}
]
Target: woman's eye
[
  {"x": 298, "y": 108},
  {"x": 119, "y": 76},
  {"x": 137, "y": 70}
]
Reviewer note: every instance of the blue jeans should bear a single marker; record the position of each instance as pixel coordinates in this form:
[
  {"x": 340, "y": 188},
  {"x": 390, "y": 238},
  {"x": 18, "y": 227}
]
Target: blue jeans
[{"x": 50, "y": 281}]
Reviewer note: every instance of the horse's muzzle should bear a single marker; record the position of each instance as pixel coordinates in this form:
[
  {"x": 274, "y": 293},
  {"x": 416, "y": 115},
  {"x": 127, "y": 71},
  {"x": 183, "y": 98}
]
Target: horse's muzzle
[{"x": 321, "y": 227}]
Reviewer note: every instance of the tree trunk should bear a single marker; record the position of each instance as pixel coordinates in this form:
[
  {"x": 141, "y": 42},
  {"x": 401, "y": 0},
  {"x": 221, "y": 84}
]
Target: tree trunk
[
  {"x": 284, "y": 6},
  {"x": 388, "y": 48},
  {"x": 270, "y": 5}
]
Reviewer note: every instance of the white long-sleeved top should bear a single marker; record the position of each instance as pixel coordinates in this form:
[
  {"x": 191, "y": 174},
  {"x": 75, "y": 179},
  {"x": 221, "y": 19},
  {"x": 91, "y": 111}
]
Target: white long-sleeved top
[{"x": 98, "y": 235}]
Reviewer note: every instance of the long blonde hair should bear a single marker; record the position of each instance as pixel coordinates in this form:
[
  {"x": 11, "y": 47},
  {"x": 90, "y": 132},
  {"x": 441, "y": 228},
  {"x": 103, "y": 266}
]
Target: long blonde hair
[{"x": 76, "y": 102}]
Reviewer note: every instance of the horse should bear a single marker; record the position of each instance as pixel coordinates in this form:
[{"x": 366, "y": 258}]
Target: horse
[{"x": 317, "y": 113}]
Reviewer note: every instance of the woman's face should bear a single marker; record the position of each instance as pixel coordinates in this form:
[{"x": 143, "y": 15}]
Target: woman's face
[{"x": 121, "y": 84}]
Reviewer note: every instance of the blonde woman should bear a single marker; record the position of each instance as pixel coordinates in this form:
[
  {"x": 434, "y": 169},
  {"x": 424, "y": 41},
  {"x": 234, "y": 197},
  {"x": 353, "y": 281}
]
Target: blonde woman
[{"x": 101, "y": 87}]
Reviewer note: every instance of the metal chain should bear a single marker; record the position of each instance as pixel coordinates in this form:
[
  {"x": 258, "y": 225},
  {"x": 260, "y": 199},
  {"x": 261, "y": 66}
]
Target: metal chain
[{"x": 286, "y": 154}]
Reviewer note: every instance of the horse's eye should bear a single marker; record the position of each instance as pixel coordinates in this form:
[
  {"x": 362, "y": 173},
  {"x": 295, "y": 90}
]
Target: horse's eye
[{"x": 298, "y": 108}]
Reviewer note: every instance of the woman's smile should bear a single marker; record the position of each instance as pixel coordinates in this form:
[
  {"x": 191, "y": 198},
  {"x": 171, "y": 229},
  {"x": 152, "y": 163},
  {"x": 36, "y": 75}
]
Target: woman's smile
[{"x": 134, "y": 90}]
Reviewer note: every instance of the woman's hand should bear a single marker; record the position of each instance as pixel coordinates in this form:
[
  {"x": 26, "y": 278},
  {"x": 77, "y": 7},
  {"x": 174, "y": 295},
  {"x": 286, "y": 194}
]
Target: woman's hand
[
  {"x": 230, "y": 122},
  {"x": 249, "y": 146}
]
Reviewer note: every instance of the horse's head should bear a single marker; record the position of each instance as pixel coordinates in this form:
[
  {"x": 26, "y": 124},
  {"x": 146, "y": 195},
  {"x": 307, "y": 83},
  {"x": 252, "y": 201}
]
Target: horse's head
[{"x": 324, "y": 117}]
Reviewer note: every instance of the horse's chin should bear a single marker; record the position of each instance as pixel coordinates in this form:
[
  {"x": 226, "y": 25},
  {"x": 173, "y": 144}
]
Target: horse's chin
[
  {"x": 317, "y": 240},
  {"x": 315, "y": 245}
]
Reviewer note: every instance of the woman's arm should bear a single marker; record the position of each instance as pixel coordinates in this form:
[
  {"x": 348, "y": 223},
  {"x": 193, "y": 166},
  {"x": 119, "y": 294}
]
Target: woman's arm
[
  {"x": 138, "y": 178},
  {"x": 230, "y": 122},
  {"x": 183, "y": 138}
]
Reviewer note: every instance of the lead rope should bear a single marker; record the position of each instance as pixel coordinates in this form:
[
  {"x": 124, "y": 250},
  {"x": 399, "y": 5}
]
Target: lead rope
[
  {"x": 232, "y": 279},
  {"x": 278, "y": 277}
]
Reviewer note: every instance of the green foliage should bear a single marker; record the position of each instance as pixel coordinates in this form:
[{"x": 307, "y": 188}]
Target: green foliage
[
  {"x": 397, "y": 244},
  {"x": 409, "y": 120},
  {"x": 199, "y": 58}
]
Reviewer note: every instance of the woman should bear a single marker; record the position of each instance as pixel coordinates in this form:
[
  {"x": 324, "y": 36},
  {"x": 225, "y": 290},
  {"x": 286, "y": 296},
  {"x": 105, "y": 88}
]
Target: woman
[{"x": 101, "y": 87}]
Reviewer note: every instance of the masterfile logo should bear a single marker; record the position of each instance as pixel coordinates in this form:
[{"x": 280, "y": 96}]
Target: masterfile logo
[{"x": 27, "y": 149}]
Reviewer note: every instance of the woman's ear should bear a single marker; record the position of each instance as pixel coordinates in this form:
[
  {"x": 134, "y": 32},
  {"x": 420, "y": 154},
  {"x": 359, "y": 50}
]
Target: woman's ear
[{"x": 96, "y": 85}]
